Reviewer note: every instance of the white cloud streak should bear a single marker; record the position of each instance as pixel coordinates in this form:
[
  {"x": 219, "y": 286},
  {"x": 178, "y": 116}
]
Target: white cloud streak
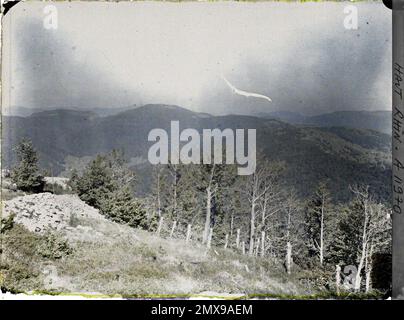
[{"x": 246, "y": 93}]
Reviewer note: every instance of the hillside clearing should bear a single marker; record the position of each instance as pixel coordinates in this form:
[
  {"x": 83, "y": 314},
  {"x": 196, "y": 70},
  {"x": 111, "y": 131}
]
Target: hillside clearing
[{"x": 108, "y": 258}]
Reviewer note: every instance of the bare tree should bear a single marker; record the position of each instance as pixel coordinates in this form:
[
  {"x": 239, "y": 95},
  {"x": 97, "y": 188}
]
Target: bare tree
[
  {"x": 291, "y": 209},
  {"x": 210, "y": 190},
  {"x": 261, "y": 193},
  {"x": 375, "y": 223},
  {"x": 158, "y": 188},
  {"x": 317, "y": 217},
  {"x": 175, "y": 174}
]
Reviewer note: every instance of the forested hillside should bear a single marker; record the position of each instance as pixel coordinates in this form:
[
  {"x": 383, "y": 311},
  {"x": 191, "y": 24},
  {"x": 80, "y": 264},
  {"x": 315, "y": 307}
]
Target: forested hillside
[{"x": 66, "y": 139}]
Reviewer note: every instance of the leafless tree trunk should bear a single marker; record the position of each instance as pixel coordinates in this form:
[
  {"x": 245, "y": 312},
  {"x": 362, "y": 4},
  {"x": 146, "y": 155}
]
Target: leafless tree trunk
[
  {"x": 173, "y": 229},
  {"x": 262, "y": 243},
  {"x": 338, "y": 279},
  {"x": 319, "y": 245},
  {"x": 368, "y": 280},
  {"x": 252, "y": 226},
  {"x": 322, "y": 233},
  {"x": 363, "y": 252},
  {"x": 226, "y": 240},
  {"x": 175, "y": 197},
  {"x": 238, "y": 239},
  {"x": 257, "y": 247},
  {"x": 289, "y": 247},
  {"x": 288, "y": 257},
  {"x": 208, "y": 214},
  {"x": 175, "y": 174},
  {"x": 368, "y": 269},
  {"x": 358, "y": 277},
  {"x": 231, "y": 223},
  {"x": 209, "y": 242},
  {"x": 188, "y": 233},
  {"x": 209, "y": 193},
  {"x": 158, "y": 195},
  {"x": 160, "y": 226}
]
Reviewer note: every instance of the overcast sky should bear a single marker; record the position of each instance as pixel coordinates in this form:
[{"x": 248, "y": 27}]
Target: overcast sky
[{"x": 119, "y": 54}]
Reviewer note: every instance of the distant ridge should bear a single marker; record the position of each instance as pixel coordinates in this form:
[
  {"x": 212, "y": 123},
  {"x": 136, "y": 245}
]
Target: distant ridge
[
  {"x": 373, "y": 120},
  {"x": 341, "y": 155}
]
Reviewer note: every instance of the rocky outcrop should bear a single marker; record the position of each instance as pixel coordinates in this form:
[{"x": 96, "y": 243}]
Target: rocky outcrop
[{"x": 42, "y": 211}]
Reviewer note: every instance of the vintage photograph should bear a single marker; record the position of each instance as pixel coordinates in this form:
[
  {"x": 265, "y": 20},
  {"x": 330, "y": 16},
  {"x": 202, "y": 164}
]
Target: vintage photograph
[{"x": 234, "y": 150}]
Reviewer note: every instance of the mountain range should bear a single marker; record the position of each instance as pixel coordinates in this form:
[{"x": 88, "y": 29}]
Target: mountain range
[
  {"x": 341, "y": 155},
  {"x": 373, "y": 120}
]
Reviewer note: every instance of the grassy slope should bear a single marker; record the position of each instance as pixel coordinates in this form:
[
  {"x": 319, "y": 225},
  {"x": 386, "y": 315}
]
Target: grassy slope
[
  {"x": 105, "y": 258},
  {"x": 108, "y": 258},
  {"x": 135, "y": 262}
]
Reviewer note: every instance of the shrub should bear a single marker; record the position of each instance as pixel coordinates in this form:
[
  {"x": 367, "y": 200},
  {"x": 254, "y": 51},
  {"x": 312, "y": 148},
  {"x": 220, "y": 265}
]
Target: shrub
[
  {"x": 6, "y": 223},
  {"x": 52, "y": 246},
  {"x": 20, "y": 263},
  {"x": 74, "y": 221}
]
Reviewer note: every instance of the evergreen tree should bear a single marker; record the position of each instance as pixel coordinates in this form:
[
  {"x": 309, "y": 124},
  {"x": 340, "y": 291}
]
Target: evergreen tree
[
  {"x": 107, "y": 184},
  {"x": 26, "y": 174},
  {"x": 96, "y": 183},
  {"x": 120, "y": 206},
  {"x": 189, "y": 200}
]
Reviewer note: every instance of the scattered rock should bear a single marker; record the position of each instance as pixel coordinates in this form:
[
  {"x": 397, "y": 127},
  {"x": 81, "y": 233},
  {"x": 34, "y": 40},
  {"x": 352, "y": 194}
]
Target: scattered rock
[{"x": 37, "y": 212}]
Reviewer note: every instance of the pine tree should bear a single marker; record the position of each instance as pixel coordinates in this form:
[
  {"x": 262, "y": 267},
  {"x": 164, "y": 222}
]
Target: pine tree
[
  {"x": 189, "y": 200},
  {"x": 107, "y": 184},
  {"x": 26, "y": 174},
  {"x": 121, "y": 207},
  {"x": 96, "y": 183}
]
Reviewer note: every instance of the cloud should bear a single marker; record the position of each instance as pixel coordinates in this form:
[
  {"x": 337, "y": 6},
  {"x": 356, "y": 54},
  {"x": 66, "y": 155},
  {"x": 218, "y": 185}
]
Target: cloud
[
  {"x": 48, "y": 73},
  {"x": 175, "y": 54}
]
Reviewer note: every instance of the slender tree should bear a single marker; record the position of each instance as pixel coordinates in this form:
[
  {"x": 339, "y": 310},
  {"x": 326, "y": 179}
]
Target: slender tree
[
  {"x": 317, "y": 217},
  {"x": 261, "y": 190},
  {"x": 364, "y": 229}
]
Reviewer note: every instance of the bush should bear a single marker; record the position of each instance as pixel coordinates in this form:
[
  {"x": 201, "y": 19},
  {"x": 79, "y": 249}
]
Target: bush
[
  {"x": 53, "y": 247},
  {"x": 74, "y": 221},
  {"x": 6, "y": 223},
  {"x": 20, "y": 263},
  {"x": 23, "y": 256}
]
